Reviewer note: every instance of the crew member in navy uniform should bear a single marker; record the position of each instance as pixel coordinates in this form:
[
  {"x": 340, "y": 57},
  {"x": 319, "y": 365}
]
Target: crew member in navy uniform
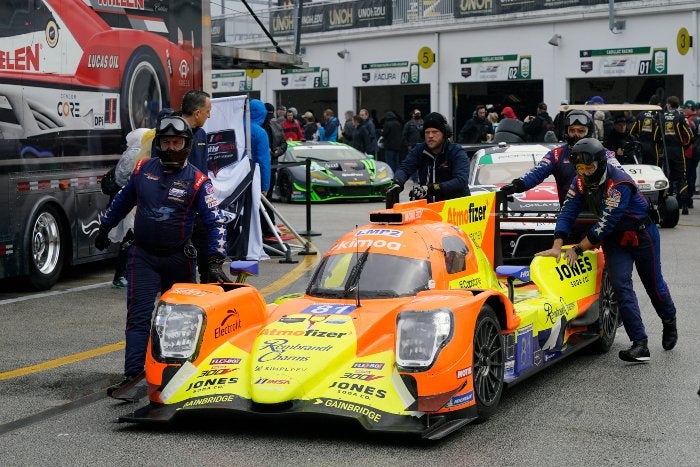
[
  {"x": 628, "y": 237},
  {"x": 557, "y": 162},
  {"x": 443, "y": 167},
  {"x": 168, "y": 194}
]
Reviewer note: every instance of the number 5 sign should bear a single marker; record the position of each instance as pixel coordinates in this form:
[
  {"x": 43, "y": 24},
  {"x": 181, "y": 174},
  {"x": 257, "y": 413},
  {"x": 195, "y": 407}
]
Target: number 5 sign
[{"x": 426, "y": 57}]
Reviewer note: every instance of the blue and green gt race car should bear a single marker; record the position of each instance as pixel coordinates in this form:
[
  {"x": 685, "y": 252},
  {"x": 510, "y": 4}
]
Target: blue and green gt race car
[{"x": 338, "y": 172}]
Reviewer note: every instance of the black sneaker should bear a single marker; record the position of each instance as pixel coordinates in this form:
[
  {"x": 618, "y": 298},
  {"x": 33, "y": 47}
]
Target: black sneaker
[
  {"x": 638, "y": 353},
  {"x": 128, "y": 389},
  {"x": 684, "y": 211},
  {"x": 670, "y": 334}
]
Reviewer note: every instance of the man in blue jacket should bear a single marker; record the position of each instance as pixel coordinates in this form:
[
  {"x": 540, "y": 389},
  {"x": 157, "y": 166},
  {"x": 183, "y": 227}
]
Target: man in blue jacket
[
  {"x": 168, "y": 193},
  {"x": 443, "y": 166},
  {"x": 628, "y": 236}
]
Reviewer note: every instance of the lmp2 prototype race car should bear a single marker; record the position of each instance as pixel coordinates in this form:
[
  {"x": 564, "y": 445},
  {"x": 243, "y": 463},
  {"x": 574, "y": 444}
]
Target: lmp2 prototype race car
[
  {"x": 404, "y": 327},
  {"x": 338, "y": 171}
]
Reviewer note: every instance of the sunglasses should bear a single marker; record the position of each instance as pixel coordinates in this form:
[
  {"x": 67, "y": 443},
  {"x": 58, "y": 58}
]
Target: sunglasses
[{"x": 178, "y": 124}]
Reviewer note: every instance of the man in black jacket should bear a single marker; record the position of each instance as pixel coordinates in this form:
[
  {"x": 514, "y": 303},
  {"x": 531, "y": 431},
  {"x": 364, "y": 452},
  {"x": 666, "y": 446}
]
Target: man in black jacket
[{"x": 443, "y": 166}]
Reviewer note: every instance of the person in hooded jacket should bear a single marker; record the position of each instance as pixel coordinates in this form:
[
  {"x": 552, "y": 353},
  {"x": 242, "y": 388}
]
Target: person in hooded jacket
[
  {"x": 391, "y": 135},
  {"x": 260, "y": 143},
  {"x": 443, "y": 166}
]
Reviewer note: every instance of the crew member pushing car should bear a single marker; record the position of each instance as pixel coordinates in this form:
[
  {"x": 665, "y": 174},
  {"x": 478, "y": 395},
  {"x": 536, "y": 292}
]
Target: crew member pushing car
[
  {"x": 443, "y": 167},
  {"x": 168, "y": 193},
  {"x": 628, "y": 237},
  {"x": 557, "y": 162}
]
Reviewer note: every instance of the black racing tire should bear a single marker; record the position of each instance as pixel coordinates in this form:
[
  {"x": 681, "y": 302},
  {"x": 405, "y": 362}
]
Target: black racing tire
[
  {"x": 48, "y": 243},
  {"x": 143, "y": 92},
  {"x": 489, "y": 362},
  {"x": 284, "y": 187},
  {"x": 608, "y": 317},
  {"x": 669, "y": 212}
]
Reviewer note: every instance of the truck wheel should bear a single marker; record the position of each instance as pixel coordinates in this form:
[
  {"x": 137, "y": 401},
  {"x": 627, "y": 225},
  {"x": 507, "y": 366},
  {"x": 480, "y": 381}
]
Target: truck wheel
[
  {"x": 608, "y": 317},
  {"x": 488, "y": 362},
  {"x": 47, "y": 247},
  {"x": 669, "y": 212},
  {"x": 143, "y": 91}
]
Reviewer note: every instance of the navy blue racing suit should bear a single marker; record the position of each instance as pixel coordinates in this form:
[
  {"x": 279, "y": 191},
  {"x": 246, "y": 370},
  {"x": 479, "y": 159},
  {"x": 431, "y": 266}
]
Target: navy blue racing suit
[
  {"x": 628, "y": 237},
  {"x": 167, "y": 203},
  {"x": 556, "y": 162}
]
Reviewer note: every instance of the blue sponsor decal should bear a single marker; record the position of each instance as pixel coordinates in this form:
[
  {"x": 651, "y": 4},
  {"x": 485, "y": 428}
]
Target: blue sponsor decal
[
  {"x": 461, "y": 400},
  {"x": 329, "y": 309}
]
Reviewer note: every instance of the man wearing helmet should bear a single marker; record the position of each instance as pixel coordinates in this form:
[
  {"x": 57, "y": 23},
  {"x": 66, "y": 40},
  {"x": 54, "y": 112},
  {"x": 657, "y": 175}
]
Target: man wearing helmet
[
  {"x": 443, "y": 167},
  {"x": 168, "y": 193},
  {"x": 578, "y": 125},
  {"x": 628, "y": 237}
]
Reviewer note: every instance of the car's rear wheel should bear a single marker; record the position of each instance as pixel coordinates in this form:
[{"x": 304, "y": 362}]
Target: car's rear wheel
[
  {"x": 488, "y": 365},
  {"x": 668, "y": 212},
  {"x": 48, "y": 248},
  {"x": 608, "y": 316},
  {"x": 144, "y": 92},
  {"x": 284, "y": 186}
]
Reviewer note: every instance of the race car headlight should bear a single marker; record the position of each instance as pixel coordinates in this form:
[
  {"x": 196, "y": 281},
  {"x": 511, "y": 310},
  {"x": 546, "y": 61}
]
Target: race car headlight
[
  {"x": 420, "y": 335},
  {"x": 176, "y": 330},
  {"x": 660, "y": 185}
]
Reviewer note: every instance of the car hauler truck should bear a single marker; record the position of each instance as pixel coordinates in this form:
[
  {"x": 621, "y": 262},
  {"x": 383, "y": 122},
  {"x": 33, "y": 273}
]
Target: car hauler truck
[{"x": 75, "y": 77}]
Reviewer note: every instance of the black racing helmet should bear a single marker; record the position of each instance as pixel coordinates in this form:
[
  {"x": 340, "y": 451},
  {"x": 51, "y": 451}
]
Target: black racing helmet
[
  {"x": 577, "y": 117},
  {"x": 589, "y": 151},
  {"x": 173, "y": 126}
]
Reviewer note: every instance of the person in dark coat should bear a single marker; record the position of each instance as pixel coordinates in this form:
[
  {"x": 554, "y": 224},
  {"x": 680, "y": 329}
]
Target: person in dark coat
[
  {"x": 443, "y": 166},
  {"x": 391, "y": 134}
]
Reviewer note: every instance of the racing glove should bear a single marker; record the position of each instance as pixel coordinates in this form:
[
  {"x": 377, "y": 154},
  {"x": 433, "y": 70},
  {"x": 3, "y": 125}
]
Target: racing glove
[
  {"x": 433, "y": 190},
  {"x": 101, "y": 240},
  {"x": 418, "y": 192},
  {"x": 394, "y": 189},
  {"x": 216, "y": 271},
  {"x": 516, "y": 186}
]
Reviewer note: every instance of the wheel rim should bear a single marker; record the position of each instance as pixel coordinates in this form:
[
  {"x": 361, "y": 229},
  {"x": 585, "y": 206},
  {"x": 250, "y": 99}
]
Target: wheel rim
[
  {"x": 609, "y": 308},
  {"x": 145, "y": 99},
  {"x": 46, "y": 243},
  {"x": 285, "y": 189},
  {"x": 488, "y": 362}
]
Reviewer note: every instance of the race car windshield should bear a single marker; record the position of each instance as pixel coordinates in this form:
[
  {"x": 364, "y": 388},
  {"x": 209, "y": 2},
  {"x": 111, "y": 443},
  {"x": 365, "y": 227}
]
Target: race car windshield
[
  {"x": 493, "y": 174},
  {"x": 328, "y": 153},
  {"x": 381, "y": 276}
]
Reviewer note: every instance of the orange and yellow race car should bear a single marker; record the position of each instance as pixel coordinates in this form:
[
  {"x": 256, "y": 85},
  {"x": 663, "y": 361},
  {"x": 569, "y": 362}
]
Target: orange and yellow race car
[{"x": 405, "y": 327}]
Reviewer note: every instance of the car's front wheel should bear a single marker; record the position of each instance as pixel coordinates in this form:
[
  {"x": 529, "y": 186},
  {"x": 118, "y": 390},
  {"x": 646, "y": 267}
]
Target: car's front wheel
[
  {"x": 488, "y": 365},
  {"x": 48, "y": 248},
  {"x": 669, "y": 212},
  {"x": 608, "y": 316}
]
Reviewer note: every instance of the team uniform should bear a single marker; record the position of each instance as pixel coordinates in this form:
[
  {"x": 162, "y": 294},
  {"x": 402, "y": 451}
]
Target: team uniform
[
  {"x": 677, "y": 137},
  {"x": 557, "y": 162},
  {"x": 647, "y": 131},
  {"x": 629, "y": 237},
  {"x": 167, "y": 204}
]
